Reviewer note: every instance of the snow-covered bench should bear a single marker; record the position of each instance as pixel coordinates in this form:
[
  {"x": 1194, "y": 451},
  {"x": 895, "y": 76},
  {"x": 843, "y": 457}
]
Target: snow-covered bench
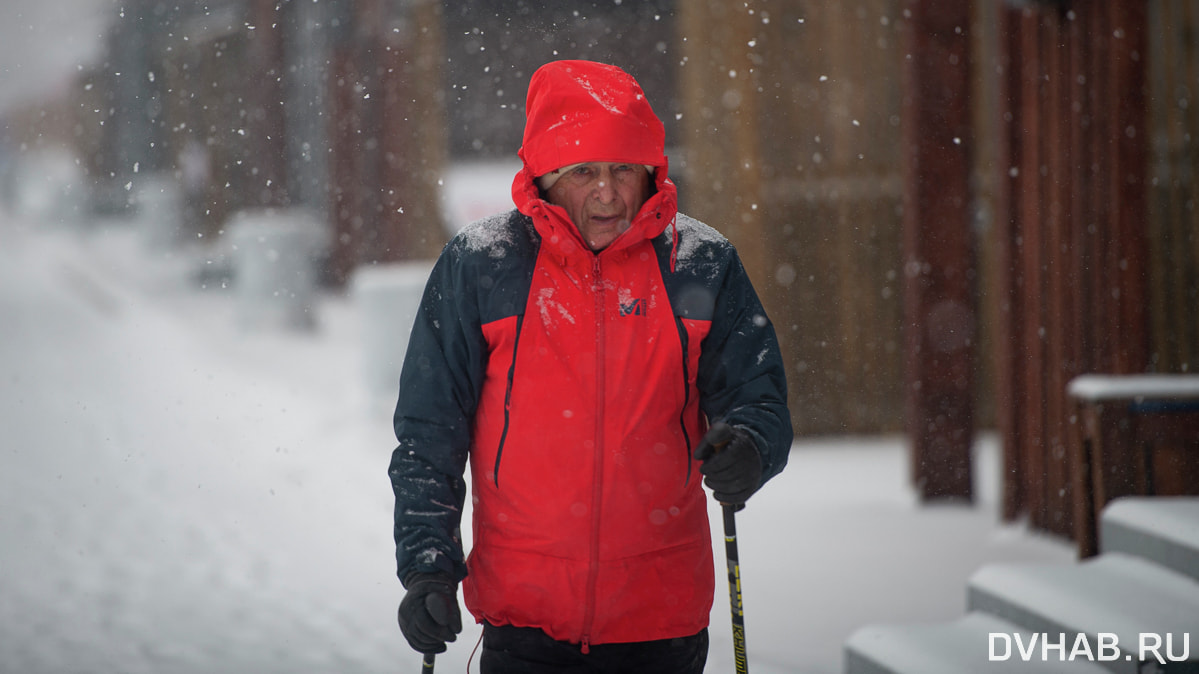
[
  {"x": 275, "y": 254},
  {"x": 388, "y": 298},
  {"x": 1122, "y": 419}
]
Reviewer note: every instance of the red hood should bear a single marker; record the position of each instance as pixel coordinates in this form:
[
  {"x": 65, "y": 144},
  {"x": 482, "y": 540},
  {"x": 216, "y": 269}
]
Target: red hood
[{"x": 582, "y": 111}]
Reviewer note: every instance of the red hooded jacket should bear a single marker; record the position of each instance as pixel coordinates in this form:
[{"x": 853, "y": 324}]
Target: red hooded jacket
[{"x": 578, "y": 384}]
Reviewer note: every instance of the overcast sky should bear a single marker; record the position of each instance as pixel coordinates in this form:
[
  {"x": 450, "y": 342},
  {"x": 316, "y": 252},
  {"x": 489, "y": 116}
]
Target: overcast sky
[{"x": 42, "y": 42}]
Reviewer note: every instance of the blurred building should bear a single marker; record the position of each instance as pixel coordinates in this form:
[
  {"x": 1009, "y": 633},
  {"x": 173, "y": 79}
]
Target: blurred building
[{"x": 787, "y": 121}]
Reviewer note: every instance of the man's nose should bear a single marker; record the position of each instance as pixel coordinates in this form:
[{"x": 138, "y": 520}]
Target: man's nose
[{"x": 605, "y": 190}]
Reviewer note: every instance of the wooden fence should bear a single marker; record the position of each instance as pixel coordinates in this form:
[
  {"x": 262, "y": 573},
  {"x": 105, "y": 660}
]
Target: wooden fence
[{"x": 1094, "y": 198}]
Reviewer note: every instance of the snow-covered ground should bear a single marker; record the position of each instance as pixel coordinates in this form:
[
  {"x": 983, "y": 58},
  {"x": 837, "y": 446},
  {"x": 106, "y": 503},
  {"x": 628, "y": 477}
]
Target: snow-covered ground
[{"x": 179, "y": 495}]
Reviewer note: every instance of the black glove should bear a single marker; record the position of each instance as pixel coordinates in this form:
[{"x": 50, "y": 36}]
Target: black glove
[
  {"x": 429, "y": 614},
  {"x": 732, "y": 467}
]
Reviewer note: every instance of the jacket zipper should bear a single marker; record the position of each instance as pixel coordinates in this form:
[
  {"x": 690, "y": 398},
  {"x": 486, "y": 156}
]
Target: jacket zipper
[
  {"x": 684, "y": 341},
  {"x": 596, "y": 483},
  {"x": 499, "y": 451}
]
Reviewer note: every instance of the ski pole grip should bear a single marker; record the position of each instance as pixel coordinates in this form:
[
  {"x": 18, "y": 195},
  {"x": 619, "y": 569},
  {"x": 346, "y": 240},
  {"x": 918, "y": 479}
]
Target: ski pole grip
[
  {"x": 731, "y": 507},
  {"x": 726, "y": 432},
  {"x": 718, "y": 447}
]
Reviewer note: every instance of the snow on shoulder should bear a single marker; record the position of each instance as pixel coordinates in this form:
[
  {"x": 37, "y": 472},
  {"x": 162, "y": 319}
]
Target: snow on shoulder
[
  {"x": 698, "y": 243},
  {"x": 493, "y": 233}
]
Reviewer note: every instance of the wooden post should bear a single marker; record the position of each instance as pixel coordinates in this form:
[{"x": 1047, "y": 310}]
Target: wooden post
[
  {"x": 387, "y": 135},
  {"x": 939, "y": 250},
  {"x": 265, "y": 121},
  {"x": 1010, "y": 398},
  {"x": 1127, "y": 261},
  {"x": 412, "y": 138},
  {"x": 345, "y": 122},
  {"x": 720, "y": 79},
  {"x": 1073, "y": 227}
]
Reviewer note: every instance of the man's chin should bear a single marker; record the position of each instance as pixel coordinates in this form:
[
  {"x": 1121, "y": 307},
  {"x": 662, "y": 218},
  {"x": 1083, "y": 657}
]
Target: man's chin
[
  {"x": 601, "y": 235},
  {"x": 599, "y": 244}
]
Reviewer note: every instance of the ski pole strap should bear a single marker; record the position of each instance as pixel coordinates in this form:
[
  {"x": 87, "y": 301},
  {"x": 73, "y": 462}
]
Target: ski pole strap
[
  {"x": 426, "y": 665},
  {"x": 730, "y": 551}
]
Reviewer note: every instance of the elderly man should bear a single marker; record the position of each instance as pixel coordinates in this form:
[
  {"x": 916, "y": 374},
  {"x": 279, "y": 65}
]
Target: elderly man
[{"x": 590, "y": 353}]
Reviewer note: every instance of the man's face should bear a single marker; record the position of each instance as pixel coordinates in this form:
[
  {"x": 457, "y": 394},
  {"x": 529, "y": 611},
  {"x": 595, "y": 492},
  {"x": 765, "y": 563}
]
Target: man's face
[{"x": 601, "y": 198}]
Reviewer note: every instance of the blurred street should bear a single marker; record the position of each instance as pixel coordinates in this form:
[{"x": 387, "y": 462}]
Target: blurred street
[{"x": 164, "y": 507}]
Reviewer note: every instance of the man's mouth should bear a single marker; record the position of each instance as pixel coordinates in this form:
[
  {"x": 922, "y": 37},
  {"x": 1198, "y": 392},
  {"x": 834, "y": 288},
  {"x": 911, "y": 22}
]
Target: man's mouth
[{"x": 606, "y": 220}]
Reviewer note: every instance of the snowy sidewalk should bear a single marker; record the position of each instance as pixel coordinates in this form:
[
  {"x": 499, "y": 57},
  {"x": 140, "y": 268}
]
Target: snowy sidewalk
[{"x": 176, "y": 496}]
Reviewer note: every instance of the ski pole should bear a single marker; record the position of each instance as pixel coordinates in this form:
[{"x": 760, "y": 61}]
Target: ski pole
[
  {"x": 738, "y": 611},
  {"x": 426, "y": 665},
  {"x": 740, "y": 660}
]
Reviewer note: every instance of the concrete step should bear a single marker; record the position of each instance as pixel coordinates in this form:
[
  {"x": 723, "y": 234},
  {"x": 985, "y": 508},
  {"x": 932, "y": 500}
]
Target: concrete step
[
  {"x": 1161, "y": 529},
  {"x": 1126, "y": 597},
  {"x": 976, "y": 643}
]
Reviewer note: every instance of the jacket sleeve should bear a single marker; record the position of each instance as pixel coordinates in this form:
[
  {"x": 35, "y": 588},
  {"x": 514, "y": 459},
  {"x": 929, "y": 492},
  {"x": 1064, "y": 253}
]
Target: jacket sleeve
[
  {"x": 439, "y": 390},
  {"x": 741, "y": 375}
]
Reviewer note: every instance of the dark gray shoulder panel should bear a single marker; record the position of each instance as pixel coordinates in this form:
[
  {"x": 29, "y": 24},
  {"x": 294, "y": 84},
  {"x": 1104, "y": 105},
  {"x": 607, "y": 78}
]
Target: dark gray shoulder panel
[
  {"x": 701, "y": 261},
  {"x": 496, "y": 257}
]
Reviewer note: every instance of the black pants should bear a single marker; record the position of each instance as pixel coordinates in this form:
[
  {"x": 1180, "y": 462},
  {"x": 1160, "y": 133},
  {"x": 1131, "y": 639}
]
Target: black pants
[{"x": 526, "y": 650}]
